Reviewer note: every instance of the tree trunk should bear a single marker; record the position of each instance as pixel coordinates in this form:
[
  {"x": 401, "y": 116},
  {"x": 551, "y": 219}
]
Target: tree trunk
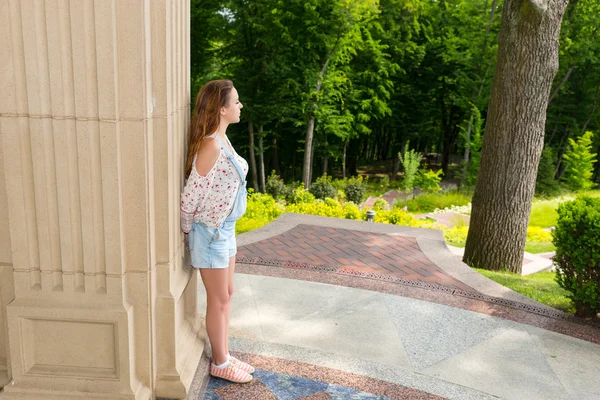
[
  {"x": 261, "y": 154},
  {"x": 467, "y": 148},
  {"x": 308, "y": 147},
  {"x": 344, "y": 160},
  {"x": 252, "y": 156},
  {"x": 312, "y": 161},
  {"x": 275, "y": 164},
  {"x": 514, "y": 138}
]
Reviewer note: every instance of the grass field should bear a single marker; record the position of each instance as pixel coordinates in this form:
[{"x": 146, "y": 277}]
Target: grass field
[{"x": 540, "y": 287}]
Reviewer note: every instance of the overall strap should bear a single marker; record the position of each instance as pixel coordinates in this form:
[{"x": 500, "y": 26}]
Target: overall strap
[{"x": 230, "y": 156}]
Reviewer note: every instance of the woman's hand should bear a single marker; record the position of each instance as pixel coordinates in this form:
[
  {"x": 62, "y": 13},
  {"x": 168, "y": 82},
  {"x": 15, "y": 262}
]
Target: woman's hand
[{"x": 187, "y": 241}]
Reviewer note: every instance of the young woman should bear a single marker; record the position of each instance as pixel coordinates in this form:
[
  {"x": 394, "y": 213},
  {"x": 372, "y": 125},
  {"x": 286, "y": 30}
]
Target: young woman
[{"x": 213, "y": 199}]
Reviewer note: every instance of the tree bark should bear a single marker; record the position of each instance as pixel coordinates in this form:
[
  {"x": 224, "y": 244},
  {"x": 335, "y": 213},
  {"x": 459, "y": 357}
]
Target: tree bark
[
  {"x": 261, "y": 154},
  {"x": 252, "y": 156},
  {"x": 308, "y": 151},
  {"x": 344, "y": 160},
  {"x": 275, "y": 164},
  {"x": 514, "y": 133}
]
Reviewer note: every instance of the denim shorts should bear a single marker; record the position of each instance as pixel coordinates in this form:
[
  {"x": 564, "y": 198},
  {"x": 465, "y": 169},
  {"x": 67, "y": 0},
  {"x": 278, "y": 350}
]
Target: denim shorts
[{"x": 212, "y": 247}]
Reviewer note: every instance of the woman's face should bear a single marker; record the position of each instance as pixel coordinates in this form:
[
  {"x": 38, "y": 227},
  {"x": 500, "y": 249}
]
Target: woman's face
[{"x": 231, "y": 112}]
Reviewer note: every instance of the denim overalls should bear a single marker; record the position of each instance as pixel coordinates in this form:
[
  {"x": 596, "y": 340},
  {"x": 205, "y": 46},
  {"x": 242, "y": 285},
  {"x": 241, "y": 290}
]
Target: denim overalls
[{"x": 212, "y": 247}]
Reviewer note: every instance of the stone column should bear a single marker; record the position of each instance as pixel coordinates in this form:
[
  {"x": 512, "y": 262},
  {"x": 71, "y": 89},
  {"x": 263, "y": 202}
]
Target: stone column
[{"x": 94, "y": 110}]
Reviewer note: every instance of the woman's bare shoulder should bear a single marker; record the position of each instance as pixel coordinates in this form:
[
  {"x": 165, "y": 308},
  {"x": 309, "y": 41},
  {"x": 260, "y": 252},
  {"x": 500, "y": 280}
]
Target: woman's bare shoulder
[{"x": 207, "y": 156}]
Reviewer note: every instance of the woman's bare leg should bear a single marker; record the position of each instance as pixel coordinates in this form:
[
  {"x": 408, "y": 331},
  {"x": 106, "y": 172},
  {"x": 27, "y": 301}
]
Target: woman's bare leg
[
  {"x": 231, "y": 271},
  {"x": 217, "y": 303}
]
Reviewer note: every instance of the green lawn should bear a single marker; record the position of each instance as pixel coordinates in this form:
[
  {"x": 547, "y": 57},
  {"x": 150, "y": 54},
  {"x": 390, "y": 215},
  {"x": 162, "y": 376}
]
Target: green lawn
[
  {"x": 536, "y": 248},
  {"x": 540, "y": 287},
  {"x": 543, "y": 211},
  {"x": 530, "y": 247}
]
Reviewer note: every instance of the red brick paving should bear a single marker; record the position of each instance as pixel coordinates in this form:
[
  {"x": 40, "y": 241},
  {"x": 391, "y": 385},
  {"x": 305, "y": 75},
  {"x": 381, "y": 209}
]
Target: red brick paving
[{"x": 352, "y": 250}]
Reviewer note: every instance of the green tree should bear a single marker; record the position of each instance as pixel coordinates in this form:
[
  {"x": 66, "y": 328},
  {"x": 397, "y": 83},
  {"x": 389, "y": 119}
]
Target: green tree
[
  {"x": 410, "y": 160},
  {"x": 473, "y": 141},
  {"x": 545, "y": 184},
  {"x": 580, "y": 163}
]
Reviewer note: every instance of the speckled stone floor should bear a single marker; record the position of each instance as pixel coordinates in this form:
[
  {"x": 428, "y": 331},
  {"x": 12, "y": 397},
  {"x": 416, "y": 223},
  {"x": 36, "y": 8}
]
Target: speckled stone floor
[
  {"x": 279, "y": 379},
  {"x": 336, "y": 309}
]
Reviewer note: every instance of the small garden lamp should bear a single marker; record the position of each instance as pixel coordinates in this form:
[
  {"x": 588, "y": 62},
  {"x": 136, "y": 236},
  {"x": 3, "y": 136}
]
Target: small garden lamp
[{"x": 370, "y": 215}]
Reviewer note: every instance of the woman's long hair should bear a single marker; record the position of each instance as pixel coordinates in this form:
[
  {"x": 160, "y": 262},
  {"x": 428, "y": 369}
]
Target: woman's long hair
[{"x": 205, "y": 117}]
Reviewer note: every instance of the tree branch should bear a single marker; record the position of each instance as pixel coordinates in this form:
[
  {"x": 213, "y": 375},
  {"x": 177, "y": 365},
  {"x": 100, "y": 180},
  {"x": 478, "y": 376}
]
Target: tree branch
[{"x": 564, "y": 80}]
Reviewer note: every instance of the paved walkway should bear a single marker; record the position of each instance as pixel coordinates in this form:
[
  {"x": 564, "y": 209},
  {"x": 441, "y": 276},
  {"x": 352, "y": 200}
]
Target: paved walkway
[{"x": 338, "y": 309}]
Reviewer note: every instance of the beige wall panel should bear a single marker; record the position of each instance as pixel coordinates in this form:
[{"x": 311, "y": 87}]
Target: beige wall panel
[
  {"x": 8, "y": 105},
  {"x": 134, "y": 201},
  {"x": 106, "y": 48},
  {"x": 131, "y": 54},
  {"x": 66, "y": 365},
  {"x": 161, "y": 36},
  {"x": 56, "y": 46},
  {"x": 112, "y": 197},
  {"x": 161, "y": 192}
]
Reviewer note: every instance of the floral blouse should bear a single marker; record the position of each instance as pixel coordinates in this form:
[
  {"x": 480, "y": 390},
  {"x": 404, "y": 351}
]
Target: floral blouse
[{"x": 209, "y": 199}]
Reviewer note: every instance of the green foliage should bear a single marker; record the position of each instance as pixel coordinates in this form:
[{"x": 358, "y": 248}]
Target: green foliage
[
  {"x": 580, "y": 163},
  {"x": 261, "y": 210},
  {"x": 577, "y": 259},
  {"x": 355, "y": 190},
  {"x": 380, "y": 204},
  {"x": 410, "y": 160},
  {"x": 301, "y": 196},
  {"x": 323, "y": 188},
  {"x": 429, "y": 181},
  {"x": 536, "y": 234},
  {"x": 351, "y": 211},
  {"x": 473, "y": 142},
  {"x": 545, "y": 184},
  {"x": 384, "y": 182},
  {"x": 457, "y": 235},
  {"x": 275, "y": 186},
  {"x": 428, "y": 202}
]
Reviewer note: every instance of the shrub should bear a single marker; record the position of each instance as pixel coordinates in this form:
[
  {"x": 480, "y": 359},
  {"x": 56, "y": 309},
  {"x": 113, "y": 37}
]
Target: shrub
[
  {"x": 323, "y": 188},
  {"x": 429, "y": 181},
  {"x": 457, "y": 235},
  {"x": 327, "y": 208},
  {"x": 428, "y": 202},
  {"x": 355, "y": 190},
  {"x": 577, "y": 259},
  {"x": 537, "y": 234},
  {"x": 545, "y": 184},
  {"x": 300, "y": 196},
  {"x": 410, "y": 161},
  {"x": 384, "y": 182},
  {"x": 380, "y": 204},
  {"x": 397, "y": 216},
  {"x": 261, "y": 210},
  {"x": 275, "y": 186},
  {"x": 580, "y": 163},
  {"x": 351, "y": 211}
]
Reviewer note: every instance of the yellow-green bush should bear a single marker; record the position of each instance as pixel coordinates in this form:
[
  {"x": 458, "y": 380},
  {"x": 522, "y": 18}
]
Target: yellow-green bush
[
  {"x": 302, "y": 196},
  {"x": 457, "y": 234},
  {"x": 328, "y": 208},
  {"x": 351, "y": 211},
  {"x": 537, "y": 234},
  {"x": 261, "y": 210}
]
